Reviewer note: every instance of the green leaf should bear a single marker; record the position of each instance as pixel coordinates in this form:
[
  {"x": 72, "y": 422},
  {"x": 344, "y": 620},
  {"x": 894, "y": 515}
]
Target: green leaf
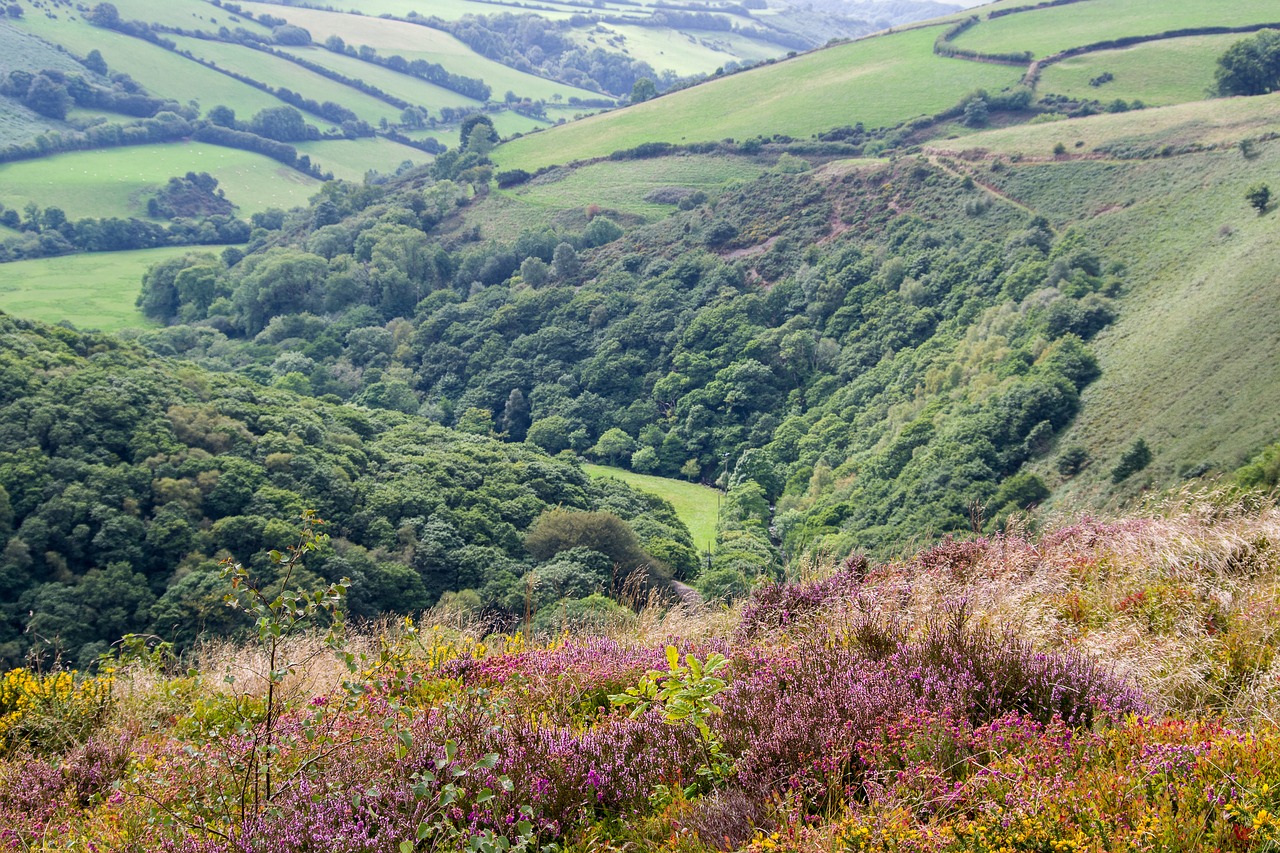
[{"x": 673, "y": 658}]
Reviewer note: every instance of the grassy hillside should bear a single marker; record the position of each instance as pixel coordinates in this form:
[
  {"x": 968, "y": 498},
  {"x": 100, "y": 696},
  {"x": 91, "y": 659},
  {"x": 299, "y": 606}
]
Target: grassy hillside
[
  {"x": 697, "y": 505},
  {"x": 1049, "y": 30},
  {"x": 97, "y": 291},
  {"x": 282, "y": 73},
  {"x": 616, "y": 186},
  {"x": 350, "y": 159},
  {"x": 390, "y": 37},
  {"x": 1189, "y": 366},
  {"x": 1157, "y": 73},
  {"x": 879, "y": 81},
  {"x": 74, "y": 181},
  {"x": 165, "y": 74}
]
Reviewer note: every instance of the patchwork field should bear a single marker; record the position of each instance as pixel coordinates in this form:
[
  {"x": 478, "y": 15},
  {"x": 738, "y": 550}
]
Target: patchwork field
[
  {"x": 284, "y": 74},
  {"x": 417, "y": 42},
  {"x": 92, "y": 291},
  {"x": 403, "y": 86},
  {"x": 450, "y": 10},
  {"x": 166, "y": 74},
  {"x": 187, "y": 14},
  {"x": 1224, "y": 121},
  {"x": 879, "y": 82},
  {"x": 75, "y": 181},
  {"x": 1157, "y": 73},
  {"x": 685, "y": 53},
  {"x": 1049, "y": 30}
]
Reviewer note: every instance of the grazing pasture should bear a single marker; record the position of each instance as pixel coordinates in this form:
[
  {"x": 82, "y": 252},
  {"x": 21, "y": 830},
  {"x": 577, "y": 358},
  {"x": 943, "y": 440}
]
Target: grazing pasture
[
  {"x": 118, "y": 181},
  {"x": 90, "y": 291}
]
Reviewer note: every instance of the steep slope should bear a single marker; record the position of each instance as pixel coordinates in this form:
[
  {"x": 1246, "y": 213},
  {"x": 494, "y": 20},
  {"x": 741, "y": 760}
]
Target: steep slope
[{"x": 1191, "y": 364}]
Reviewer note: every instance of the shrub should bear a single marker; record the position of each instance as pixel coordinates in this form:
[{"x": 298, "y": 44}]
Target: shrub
[{"x": 1137, "y": 457}]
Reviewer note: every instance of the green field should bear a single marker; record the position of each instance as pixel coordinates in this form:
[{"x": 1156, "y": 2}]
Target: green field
[
  {"x": 1047, "y": 31},
  {"x": 879, "y": 81},
  {"x": 696, "y": 505},
  {"x": 1218, "y": 122},
  {"x": 685, "y": 53},
  {"x": 622, "y": 185},
  {"x": 118, "y": 181},
  {"x": 411, "y": 41},
  {"x": 281, "y": 73},
  {"x": 187, "y": 14},
  {"x": 403, "y": 86},
  {"x": 24, "y": 52},
  {"x": 20, "y": 124},
  {"x": 91, "y": 291},
  {"x": 349, "y": 159},
  {"x": 449, "y": 10},
  {"x": 1158, "y": 73},
  {"x": 165, "y": 74}
]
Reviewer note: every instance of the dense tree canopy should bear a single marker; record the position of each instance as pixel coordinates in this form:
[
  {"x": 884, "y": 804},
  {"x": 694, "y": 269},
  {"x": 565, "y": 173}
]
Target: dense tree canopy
[{"x": 124, "y": 479}]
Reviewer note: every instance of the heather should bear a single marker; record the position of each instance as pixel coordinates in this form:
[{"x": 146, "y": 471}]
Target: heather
[{"x": 1102, "y": 685}]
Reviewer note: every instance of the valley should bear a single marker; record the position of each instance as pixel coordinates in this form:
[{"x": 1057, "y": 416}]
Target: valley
[{"x": 728, "y": 426}]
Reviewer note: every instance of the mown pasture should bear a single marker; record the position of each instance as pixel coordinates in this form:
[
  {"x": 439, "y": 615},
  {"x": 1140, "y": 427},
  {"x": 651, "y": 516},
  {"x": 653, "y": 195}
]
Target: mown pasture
[
  {"x": 164, "y": 73},
  {"x": 404, "y": 86},
  {"x": 281, "y": 73},
  {"x": 350, "y": 159}
]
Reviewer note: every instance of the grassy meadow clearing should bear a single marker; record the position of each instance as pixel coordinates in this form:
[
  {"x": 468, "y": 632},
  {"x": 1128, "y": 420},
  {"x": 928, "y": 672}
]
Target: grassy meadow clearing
[
  {"x": 696, "y": 505},
  {"x": 350, "y": 159},
  {"x": 880, "y": 81},
  {"x": 75, "y": 181},
  {"x": 90, "y": 291}
]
